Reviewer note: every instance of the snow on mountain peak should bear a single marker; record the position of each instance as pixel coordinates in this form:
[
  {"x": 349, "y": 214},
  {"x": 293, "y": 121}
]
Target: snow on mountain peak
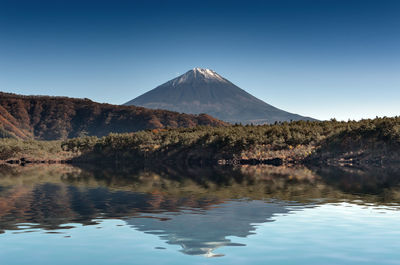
[
  {"x": 207, "y": 73},
  {"x": 204, "y": 73}
]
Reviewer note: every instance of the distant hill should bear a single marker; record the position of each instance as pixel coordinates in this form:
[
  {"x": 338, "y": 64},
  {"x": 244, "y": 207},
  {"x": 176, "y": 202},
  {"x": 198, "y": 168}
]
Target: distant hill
[
  {"x": 205, "y": 91},
  {"x": 50, "y": 118}
]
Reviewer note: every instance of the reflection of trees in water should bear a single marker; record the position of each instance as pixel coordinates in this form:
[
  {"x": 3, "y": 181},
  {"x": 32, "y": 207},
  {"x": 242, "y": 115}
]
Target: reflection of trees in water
[
  {"x": 49, "y": 205},
  {"x": 53, "y": 195},
  {"x": 372, "y": 185},
  {"x": 371, "y": 181}
]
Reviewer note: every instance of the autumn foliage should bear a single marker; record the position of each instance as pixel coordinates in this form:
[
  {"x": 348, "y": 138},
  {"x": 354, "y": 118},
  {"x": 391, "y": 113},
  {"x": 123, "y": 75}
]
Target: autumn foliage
[{"x": 50, "y": 118}]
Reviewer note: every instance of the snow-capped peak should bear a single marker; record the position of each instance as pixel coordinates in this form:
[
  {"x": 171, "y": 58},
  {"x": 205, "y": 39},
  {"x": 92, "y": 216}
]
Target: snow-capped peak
[
  {"x": 207, "y": 73},
  {"x": 195, "y": 73}
]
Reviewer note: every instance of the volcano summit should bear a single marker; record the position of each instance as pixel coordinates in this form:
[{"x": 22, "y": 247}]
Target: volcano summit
[{"x": 204, "y": 91}]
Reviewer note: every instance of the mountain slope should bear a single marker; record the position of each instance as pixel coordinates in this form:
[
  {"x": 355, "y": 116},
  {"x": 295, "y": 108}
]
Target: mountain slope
[
  {"x": 50, "y": 118},
  {"x": 205, "y": 91}
]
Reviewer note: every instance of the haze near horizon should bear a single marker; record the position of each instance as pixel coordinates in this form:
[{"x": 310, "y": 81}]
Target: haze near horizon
[{"x": 323, "y": 59}]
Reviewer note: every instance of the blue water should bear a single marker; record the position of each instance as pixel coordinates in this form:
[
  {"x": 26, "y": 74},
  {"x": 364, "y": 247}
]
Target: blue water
[{"x": 53, "y": 220}]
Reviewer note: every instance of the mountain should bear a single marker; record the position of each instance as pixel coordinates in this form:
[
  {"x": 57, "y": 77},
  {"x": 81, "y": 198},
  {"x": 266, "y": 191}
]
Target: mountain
[
  {"x": 205, "y": 91},
  {"x": 50, "y": 118}
]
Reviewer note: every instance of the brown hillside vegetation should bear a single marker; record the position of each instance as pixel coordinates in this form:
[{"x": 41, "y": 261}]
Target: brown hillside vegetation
[
  {"x": 50, "y": 118},
  {"x": 370, "y": 141},
  {"x": 353, "y": 143}
]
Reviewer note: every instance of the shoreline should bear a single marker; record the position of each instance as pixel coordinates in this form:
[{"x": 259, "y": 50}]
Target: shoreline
[
  {"x": 358, "y": 143},
  {"x": 277, "y": 161}
]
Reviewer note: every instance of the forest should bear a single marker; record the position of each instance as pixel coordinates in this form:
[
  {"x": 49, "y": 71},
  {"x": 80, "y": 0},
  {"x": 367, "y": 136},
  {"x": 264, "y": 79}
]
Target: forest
[
  {"x": 373, "y": 141},
  {"x": 54, "y": 118},
  {"x": 295, "y": 141}
]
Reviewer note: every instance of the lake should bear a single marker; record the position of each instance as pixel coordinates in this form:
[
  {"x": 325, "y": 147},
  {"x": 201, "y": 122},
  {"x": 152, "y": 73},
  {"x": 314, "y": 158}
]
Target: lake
[{"x": 60, "y": 214}]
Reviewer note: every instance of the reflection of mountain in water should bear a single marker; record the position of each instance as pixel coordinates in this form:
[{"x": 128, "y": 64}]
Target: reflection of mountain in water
[
  {"x": 199, "y": 209},
  {"x": 201, "y": 232}
]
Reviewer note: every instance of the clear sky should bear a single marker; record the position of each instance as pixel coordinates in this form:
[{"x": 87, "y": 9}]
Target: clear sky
[{"x": 319, "y": 58}]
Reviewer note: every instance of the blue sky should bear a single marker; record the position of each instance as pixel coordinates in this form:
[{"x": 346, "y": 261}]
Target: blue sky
[{"x": 319, "y": 58}]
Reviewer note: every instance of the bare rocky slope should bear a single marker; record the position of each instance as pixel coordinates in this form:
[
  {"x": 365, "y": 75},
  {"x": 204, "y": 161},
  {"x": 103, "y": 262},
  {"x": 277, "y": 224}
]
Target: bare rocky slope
[{"x": 205, "y": 91}]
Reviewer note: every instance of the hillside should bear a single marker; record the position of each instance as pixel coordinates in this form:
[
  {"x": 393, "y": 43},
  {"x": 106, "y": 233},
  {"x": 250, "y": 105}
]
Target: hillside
[
  {"x": 365, "y": 142},
  {"x": 362, "y": 143},
  {"x": 50, "y": 118},
  {"x": 205, "y": 91}
]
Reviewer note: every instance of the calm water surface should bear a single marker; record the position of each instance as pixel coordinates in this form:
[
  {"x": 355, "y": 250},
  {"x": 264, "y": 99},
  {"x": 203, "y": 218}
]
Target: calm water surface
[{"x": 250, "y": 215}]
